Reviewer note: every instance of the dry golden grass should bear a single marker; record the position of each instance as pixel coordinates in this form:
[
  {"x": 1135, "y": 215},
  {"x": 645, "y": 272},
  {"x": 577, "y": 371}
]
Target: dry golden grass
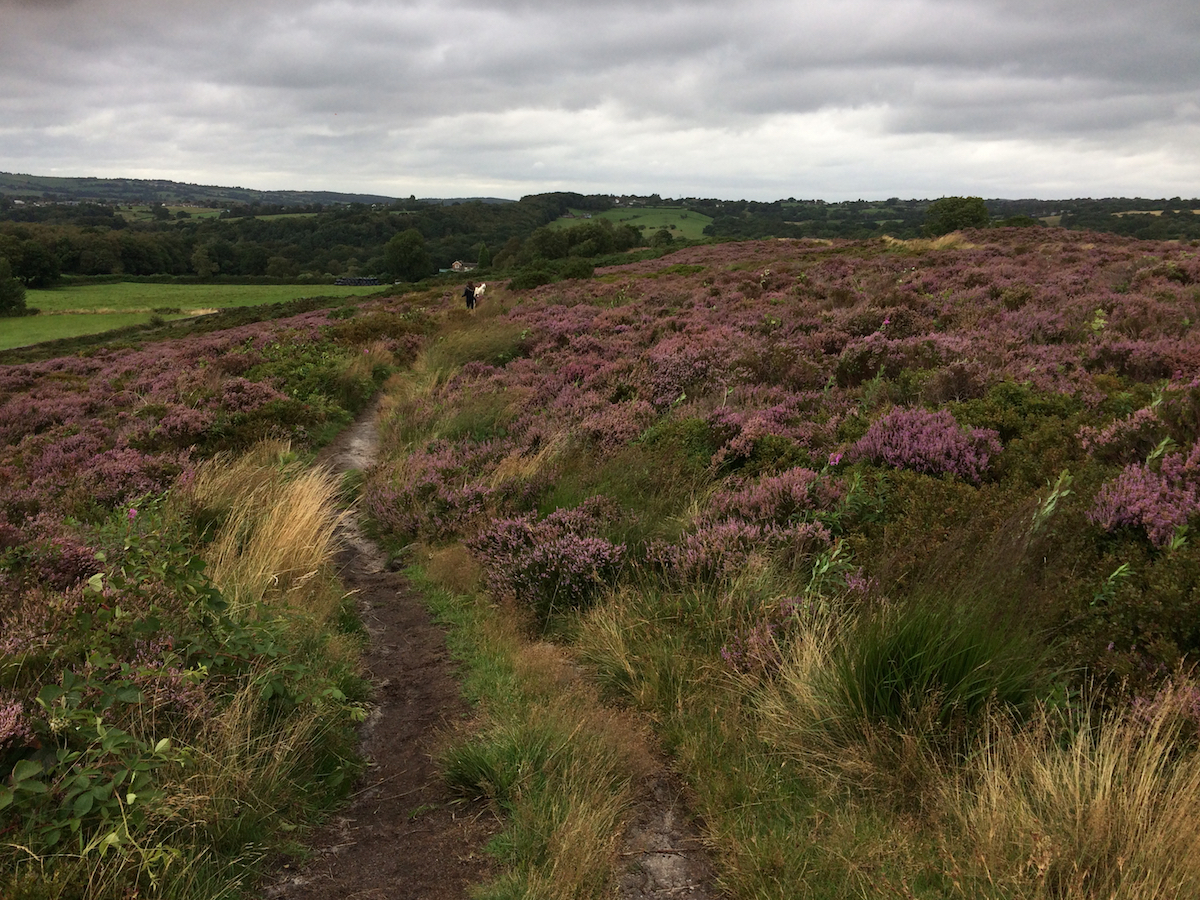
[
  {"x": 241, "y": 770},
  {"x": 1111, "y": 812},
  {"x": 453, "y": 569},
  {"x": 363, "y": 365},
  {"x": 278, "y": 536},
  {"x": 525, "y": 467},
  {"x": 952, "y": 241}
]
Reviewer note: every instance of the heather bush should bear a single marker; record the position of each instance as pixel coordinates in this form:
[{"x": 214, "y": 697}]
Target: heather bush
[
  {"x": 775, "y": 499},
  {"x": 1159, "y": 500},
  {"x": 1126, "y": 440},
  {"x": 550, "y": 566},
  {"x": 928, "y": 442}
]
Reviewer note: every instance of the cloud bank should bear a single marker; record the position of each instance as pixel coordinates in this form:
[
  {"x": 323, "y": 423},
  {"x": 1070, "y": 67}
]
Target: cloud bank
[{"x": 762, "y": 99}]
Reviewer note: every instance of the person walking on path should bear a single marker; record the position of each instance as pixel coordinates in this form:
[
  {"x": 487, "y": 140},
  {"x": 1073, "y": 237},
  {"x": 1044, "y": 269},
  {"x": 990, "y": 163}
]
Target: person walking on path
[{"x": 469, "y": 294}]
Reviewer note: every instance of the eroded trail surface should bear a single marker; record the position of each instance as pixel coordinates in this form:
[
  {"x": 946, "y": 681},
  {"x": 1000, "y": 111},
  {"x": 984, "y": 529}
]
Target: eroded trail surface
[{"x": 402, "y": 835}]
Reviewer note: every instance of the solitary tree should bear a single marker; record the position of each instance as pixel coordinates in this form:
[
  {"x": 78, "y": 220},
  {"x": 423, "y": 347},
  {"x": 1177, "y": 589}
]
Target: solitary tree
[
  {"x": 12, "y": 292},
  {"x": 662, "y": 238},
  {"x": 952, "y": 213},
  {"x": 406, "y": 256}
]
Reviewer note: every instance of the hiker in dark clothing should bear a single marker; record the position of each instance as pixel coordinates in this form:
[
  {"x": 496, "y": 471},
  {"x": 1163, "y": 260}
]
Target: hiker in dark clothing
[{"x": 469, "y": 294}]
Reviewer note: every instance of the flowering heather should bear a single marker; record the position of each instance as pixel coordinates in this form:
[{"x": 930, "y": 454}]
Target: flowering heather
[
  {"x": 551, "y": 565},
  {"x": 777, "y": 499},
  {"x": 1160, "y": 502},
  {"x": 719, "y": 551},
  {"x": 1181, "y": 700},
  {"x": 929, "y": 442},
  {"x": 431, "y": 495},
  {"x": 1126, "y": 440},
  {"x": 14, "y": 727},
  {"x": 754, "y": 650}
]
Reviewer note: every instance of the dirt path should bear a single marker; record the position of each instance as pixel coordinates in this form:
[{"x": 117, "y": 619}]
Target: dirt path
[{"x": 402, "y": 835}]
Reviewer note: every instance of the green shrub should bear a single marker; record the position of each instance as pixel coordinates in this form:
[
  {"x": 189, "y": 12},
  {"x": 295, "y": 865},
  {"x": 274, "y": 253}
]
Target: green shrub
[
  {"x": 12, "y": 292},
  {"x": 577, "y": 268},
  {"x": 528, "y": 279}
]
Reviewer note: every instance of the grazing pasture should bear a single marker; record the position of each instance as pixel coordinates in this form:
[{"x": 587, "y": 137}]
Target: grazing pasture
[
  {"x": 682, "y": 223},
  {"x": 74, "y": 310}
]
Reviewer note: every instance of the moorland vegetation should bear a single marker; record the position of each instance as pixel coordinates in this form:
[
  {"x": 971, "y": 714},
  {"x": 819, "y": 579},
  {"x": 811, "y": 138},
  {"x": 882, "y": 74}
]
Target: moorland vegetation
[{"x": 885, "y": 543}]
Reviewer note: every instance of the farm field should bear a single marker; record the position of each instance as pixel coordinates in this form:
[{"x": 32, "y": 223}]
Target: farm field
[
  {"x": 888, "y": 547},
  {"x": 683, "y": 223},
  {"x": 91, "y": 309},
  {"x": 146, "y": 213}
]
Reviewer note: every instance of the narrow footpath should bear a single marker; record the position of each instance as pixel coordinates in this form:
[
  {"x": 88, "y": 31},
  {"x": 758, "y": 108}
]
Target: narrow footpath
[{"x": 403, "y": 836}]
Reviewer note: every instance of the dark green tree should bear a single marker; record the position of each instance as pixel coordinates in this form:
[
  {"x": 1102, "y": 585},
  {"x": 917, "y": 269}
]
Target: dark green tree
[
  {"x": 406, "y": 256},
  {"x": 485, "y": 257},
  {"x": 952, "y": 213},
  {"x": 12, "y": 292},
  {"x": 662, "y": 238}
]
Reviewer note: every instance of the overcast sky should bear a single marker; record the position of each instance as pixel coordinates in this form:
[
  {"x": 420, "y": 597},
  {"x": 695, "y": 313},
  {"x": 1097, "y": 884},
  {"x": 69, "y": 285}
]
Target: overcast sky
[{"x": 755, "y": 99}]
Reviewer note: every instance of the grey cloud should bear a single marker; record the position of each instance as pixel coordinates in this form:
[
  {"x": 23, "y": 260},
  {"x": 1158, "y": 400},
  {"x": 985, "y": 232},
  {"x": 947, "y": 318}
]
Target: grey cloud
[{"x": 364, "y": 88}]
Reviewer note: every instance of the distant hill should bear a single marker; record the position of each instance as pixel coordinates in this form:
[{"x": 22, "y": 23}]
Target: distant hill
[{"x": 142, "y": 190}]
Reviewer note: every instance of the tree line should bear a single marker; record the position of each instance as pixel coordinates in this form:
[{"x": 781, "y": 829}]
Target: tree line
[
  {"x": 411, "y": 239},
  {"x": 95, "y": 240}
]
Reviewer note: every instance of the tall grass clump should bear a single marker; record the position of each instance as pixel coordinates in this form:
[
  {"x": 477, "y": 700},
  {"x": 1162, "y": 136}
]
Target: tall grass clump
[
  {"x": 497, "y": 344},
  {"x": 1106, "y": 807},
  {"x": 884, "y": 698},
  {"x": 929, "y": 664},
  {"x": 278, "y": 528}
]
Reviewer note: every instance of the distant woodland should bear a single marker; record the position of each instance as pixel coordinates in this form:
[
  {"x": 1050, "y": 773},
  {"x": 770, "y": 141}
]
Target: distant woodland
[{"x": 50, "y": 228}]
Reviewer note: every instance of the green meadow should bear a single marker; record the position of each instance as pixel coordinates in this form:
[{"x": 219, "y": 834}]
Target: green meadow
[
  {"x": 77, "y": 310},
  {"x": 681, "y": 222}
]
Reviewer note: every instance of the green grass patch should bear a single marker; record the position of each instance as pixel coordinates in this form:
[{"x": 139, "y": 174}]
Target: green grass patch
[
  {"x": 29, "y": 330},
  {"x": 130, "y": 297},
  {"x": 680, "y": 222},
  {"x": 79, "y": 310}
]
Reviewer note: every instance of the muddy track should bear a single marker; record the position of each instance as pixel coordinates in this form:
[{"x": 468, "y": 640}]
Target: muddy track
[{"x": 403, "y": 835}]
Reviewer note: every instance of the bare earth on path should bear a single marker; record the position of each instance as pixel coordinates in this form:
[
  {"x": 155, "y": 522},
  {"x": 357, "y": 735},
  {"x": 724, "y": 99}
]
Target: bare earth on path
[{"x": 403, "y": 836}]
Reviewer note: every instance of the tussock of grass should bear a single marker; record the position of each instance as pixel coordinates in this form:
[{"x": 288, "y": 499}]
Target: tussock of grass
[
  {"x": 278, "y": 530},
  {"x": 497, "y": 344},
  {"x": 1110, "y": 810},
  {"x": 526, "y": 467},
  {"x": 952, "y": 241},
  {"x": 249, "y": 764}
]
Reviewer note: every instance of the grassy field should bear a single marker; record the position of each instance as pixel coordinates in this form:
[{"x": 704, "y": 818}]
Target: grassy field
[
  {"x": 91, "y": 309},
  {"x": 146, "y": 214},
  {"x": 683, "y": 223}
]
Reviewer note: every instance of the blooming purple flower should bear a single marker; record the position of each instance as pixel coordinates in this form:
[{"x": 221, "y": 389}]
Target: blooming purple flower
[{"x": 929, "y": 442}]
